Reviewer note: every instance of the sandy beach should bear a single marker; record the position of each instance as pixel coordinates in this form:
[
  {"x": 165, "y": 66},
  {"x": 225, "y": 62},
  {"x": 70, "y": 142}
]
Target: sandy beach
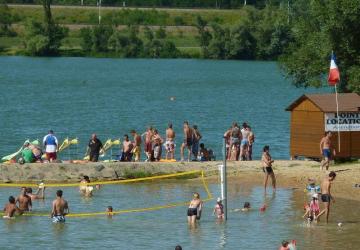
[{"x": 293, "y": 174}]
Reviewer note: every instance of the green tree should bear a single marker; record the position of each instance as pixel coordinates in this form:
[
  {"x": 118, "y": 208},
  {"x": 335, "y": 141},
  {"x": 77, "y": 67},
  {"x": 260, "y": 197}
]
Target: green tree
[
  {"x": 5, "y": 20},
  {"x": 204, "y": 35},
  {"x": 44, "y": 39},
  {"x": 322, "y": 26}
]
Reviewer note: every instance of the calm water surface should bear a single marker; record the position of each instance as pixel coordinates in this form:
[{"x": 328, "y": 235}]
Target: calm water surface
[
  {"x": 165, "y": 228},
  {"x": 78, "y": 96}
]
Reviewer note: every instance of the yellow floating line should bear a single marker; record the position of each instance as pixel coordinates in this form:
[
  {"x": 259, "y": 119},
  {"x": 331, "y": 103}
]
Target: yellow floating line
[
  {"x": 171, "y": 205},
  {"x": 100, "y": 182}
]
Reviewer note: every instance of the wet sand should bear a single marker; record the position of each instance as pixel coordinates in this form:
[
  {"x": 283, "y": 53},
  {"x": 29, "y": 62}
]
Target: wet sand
[{"x": 293, "y": 174}]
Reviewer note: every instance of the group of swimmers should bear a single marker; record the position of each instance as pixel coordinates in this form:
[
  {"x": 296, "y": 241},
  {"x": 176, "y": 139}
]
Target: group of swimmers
[{"x": 239, "y": 142}]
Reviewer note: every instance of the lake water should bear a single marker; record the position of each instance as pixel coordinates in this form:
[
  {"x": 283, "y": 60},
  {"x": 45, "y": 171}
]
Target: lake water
[
  {"x": 164, "y": 229},
  {"x": 79, "y": 96}
]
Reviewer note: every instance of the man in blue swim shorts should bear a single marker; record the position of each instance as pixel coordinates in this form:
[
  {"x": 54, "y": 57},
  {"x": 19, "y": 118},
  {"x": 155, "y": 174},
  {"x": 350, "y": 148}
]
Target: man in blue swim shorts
[
  {"x": 325, "y": 150},
  {"x": 60, "y": 208}
]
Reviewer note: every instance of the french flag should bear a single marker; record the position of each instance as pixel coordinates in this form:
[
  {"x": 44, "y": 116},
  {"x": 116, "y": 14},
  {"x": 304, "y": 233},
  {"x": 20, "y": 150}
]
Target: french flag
[{"x": 334, "y": 73}]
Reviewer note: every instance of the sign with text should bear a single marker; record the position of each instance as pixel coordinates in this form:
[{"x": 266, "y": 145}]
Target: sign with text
[{"x": 348, "y": 121}]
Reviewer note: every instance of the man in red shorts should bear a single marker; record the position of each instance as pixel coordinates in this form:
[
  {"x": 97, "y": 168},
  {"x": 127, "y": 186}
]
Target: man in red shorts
[{"x": 51, "y": 144}]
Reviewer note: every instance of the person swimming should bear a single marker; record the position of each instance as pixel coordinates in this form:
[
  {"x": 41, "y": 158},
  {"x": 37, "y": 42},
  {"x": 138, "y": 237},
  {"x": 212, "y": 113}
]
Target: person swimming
[
  {"x": 246, "y": 207},
  {"x": 109, "y": 211},
  {"x": 84, "y": 188},
  {"x": 10, "y": 209}
]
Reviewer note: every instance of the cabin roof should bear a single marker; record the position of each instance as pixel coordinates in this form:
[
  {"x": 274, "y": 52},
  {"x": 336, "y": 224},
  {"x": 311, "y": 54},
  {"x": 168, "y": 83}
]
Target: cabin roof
[{"x": 348, "y": 102}]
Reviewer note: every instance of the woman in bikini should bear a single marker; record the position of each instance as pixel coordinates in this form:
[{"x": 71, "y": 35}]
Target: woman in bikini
[{"x": 267, "y": 168}]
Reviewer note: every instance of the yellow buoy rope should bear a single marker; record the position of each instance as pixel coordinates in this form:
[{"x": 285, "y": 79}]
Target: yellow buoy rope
[{"x": 171, "y": 205}]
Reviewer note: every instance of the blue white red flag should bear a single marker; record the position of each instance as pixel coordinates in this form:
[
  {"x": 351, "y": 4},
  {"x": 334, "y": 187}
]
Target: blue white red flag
[{"x": 334, "y": 73}]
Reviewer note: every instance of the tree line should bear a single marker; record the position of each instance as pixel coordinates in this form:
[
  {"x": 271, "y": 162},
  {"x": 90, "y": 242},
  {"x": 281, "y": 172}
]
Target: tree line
[
  {"x": 301, "y": 39},
  {"x": 221, "y": 4}
]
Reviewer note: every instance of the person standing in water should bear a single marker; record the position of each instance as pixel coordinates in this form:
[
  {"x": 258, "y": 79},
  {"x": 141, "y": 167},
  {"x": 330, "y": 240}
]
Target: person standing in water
[
  {"x": 170, "y": 142},
  {"x": 60, "y": 208},
  {"x": 95, "y": 145},
  {"x": 326, "y": 196},
  {"x": 188, "y": 141},
  {"x": 267, "y": 168},
  {"x": 11, "y": 208},
  {"x": 325, "y": 150},
  {"x": 24, "y": 201},
  {"x": 194, "y": 209}
]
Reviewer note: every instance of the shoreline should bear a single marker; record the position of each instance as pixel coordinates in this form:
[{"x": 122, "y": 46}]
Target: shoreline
[{"x": 289, "y": 174}]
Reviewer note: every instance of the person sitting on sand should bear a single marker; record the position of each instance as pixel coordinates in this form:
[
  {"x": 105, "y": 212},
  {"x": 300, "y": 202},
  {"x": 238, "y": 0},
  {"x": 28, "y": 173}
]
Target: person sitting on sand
[
  {"x": 194, "y": 209},
  {"x": 85, "y": 189},
  {"x": 267, "y": 167},
  {"x": 246, "y": 207},
  {"x": 126, "y": 154},
  {"x": 39, "y": 195},
  {"x": 219, "y": 209},
  {"x": 60, "y": 208},
  {"x": 10, "y": 209},
  {"x": 203, "y": 153},
  {"x": 24, "y": 201},
  {"x": 27, "y": 154}
]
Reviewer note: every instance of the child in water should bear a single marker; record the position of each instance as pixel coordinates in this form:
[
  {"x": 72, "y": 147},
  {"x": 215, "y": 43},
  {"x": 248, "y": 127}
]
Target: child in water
[
  {"x": 246, "y": 207},
  {"x": 312, "y": 209},
  {"x": 219, "y": 209},
  {"x": 109, "y": 211},
  {"x": 285, "y": 245}
]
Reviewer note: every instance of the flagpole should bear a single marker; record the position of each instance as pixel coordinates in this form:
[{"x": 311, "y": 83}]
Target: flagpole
[{"x": 337, "y": 113}]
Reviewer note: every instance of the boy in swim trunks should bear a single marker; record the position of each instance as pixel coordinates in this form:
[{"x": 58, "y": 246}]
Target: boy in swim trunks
[
  {"x": 170, "y": 142},
  {"x": 60, "y": 208},
  {"x": 11, "y": 208},
  {"x": 326, "y": 196},
  {"x": 325, "y": 150},
  {"x": 188, "y": 140}
]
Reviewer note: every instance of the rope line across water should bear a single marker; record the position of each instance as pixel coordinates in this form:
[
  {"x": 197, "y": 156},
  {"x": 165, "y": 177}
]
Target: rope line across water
[
  {"x": 171, "y": 205},
  {"x": 101, "y": 182}
]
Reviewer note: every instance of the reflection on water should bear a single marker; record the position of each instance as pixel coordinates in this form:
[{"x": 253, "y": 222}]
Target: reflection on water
[{"x": 164, "y": 229}]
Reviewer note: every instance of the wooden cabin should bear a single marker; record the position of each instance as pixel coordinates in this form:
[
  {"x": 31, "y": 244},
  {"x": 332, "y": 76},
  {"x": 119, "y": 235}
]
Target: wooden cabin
[{"x": 313, "y": 114}]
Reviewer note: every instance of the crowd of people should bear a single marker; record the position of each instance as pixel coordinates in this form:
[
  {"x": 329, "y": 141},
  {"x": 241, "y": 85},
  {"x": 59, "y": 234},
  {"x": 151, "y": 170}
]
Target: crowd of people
[
  {"x": 239, "y": 142},
  {"x": 150, "y": 142}
]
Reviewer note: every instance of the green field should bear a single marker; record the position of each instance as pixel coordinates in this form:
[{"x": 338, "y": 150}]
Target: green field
[{"x": 179, "y": 23}]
